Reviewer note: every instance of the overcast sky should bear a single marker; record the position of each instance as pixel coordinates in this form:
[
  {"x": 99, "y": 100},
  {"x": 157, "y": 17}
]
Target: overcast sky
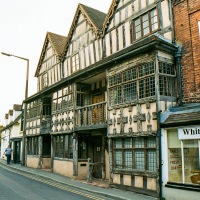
[{"x": 23, "y": 27}]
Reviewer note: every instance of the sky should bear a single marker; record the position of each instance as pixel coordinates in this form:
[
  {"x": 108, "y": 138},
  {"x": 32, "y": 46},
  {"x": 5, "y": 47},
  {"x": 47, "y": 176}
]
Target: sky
[{"x": 23, "y": 28}]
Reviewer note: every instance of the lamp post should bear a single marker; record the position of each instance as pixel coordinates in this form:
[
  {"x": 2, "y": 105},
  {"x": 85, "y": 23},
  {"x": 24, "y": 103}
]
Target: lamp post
[{"x": 25, "y": 105}]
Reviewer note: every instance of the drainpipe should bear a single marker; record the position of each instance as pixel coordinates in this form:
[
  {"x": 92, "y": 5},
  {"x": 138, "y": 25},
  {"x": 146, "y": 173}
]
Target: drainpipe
[
  {"x": 160, "y": 154},
  {"x": 178, "y": 56}
]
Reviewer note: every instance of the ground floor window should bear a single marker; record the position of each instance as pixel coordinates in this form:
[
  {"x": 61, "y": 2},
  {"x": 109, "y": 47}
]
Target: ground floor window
[
  {"x": 135, "y": 153},
  {"x": 32, "y": 145},
  {"x": 63, "y": 146},
  {"x": 183, "y": 157}
]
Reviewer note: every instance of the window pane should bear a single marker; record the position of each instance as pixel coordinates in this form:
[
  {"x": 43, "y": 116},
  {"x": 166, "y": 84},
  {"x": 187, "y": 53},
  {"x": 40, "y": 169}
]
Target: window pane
[
  {"x": 130, "y": 92},
  {"x": 151, "y": 160},
  {"x": 151, "y": 142},
  {"x": 71, "y": 146},
  {"x": 61, "y": 147},
  {"x": 154, "y": 19},
  {"x": 118, "y": 143},
  {"x": 191, "y": 161},
  {"x": 145, "y": 22},
  {"x": 118, "y": 158},
  {"x": 174, "y": 156},
  {"x": 128, "y": 159},
  {"x": 66, "y": 146},
  {"x": 128, "y": 143},
  {"x": 139, "y": 143},
  {"x": 139, "y": 160}
]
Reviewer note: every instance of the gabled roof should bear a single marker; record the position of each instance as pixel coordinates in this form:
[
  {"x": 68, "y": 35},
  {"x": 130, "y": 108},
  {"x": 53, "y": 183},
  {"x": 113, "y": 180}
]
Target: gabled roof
[
  {"x": 109, "y": 14},
  {"x": 97, "y": 17},
  {"x": 94, "y": 17},
  {"x": 12, "y": 123},
  {"x": 58, "y": 43}
]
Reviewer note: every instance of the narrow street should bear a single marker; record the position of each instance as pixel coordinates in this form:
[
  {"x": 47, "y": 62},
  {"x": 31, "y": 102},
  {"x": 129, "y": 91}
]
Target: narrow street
[{"x": 18, "y": 187}]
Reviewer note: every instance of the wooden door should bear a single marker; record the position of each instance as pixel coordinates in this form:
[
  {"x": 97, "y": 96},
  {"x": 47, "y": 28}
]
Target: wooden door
[
  {"x": 98, "y": 111},
  {"x": 97, "y": 156}
]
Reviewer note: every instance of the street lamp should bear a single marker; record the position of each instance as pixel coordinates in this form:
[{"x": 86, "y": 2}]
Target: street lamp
[{"x": 25, "y": 105}]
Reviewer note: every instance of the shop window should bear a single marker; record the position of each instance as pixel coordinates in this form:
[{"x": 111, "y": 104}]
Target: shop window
[
  {"x": 145, "y": 24},
  {"x": 183, "y": 159},
  {"x": 135, "y": 153}
]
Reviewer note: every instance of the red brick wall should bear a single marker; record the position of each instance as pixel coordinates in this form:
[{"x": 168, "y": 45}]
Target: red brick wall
[{"x": 186, "y": 17}]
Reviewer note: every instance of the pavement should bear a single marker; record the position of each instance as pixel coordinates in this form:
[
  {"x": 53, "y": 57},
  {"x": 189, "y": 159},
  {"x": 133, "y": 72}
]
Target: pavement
[{"x": 97, "y": 187}]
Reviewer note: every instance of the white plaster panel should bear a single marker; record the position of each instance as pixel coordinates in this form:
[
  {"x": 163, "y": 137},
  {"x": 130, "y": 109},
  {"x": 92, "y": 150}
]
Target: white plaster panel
[
  {"x": 97, "y": 50},
  {"x": 165, "y": 14},
  {"x": 82, "y": 59},
  {"x": 127, "y": 32},
  {"x": 69, "y": 66},
  {"x": 151, "y": 183},
  {"x": 107, "y": 38},
  {"x": 120, "y": 39},
  {"x": 114, "y": 41},
  {"x": 139, "y": 181},
  {"x": 136, "y": 6},
  {"x": 116, "y": 19},
  {"x": 87, "y": 56},
  {"x": 130, "y": 10},
  {"x": 168, "y": 35},
  {"x": 92, "y": 53},
  {"x": 143, "y": 4},
  {"x": 151, "y": 2},
  {"x": 116, "y": 178}
]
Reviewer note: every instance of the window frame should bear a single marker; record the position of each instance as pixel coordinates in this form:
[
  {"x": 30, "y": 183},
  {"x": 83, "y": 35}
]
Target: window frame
[
  {"x": 61, "y": 152},
  {"x": 134, "y": 149},
  {"x": 75, "y": 63},
  {"x": 134, "y": 38}
]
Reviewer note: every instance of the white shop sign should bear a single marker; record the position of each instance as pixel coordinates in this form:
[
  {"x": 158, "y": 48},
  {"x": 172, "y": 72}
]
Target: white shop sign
[{"x": 189, "y": 133}]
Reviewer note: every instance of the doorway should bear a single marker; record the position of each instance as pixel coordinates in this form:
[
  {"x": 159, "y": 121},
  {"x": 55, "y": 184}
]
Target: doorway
[
  {"x": 97, "y": 156},
  {"x": 16, "y": 151}
]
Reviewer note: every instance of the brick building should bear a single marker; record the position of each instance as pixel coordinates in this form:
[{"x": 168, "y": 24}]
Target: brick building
[{"x": 181, "y": 123}]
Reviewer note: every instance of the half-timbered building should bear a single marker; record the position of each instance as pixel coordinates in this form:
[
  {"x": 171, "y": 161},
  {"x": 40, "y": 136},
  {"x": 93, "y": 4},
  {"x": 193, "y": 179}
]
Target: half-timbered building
[{"x": 100, "y": 90}]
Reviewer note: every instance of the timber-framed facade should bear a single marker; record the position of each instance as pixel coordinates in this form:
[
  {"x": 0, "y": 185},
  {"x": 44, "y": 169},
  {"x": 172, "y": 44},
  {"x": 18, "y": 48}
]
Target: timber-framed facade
[{"x": 100, "y": 90}]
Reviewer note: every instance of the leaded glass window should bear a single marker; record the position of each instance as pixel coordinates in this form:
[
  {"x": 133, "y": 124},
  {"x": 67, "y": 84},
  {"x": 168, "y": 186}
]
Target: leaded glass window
[{"x": 135, "y": 153}]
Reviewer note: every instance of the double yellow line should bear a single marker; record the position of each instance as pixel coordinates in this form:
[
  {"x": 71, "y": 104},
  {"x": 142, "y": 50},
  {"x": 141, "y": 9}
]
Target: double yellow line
[{"x": 57, "y": 185}]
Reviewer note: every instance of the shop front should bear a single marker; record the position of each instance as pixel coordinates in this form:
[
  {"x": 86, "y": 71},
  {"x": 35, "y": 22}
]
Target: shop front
[{"x": 181, "y": 157}]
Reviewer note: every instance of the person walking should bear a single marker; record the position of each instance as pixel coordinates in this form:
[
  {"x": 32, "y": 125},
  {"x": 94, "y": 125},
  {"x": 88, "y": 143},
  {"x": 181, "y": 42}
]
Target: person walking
[{"x": 8, "y": 153}]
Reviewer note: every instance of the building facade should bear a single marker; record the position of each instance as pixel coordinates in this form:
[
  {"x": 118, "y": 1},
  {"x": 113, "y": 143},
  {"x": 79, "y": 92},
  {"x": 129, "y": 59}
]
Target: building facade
[
  {"x": 180, "y": 124},
  {"x": 12, "y": 133},
  {"x": 100, "y": 90}
]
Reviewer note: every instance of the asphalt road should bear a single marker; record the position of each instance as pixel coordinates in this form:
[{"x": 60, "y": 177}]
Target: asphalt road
[{"x": 18, "y": 187}]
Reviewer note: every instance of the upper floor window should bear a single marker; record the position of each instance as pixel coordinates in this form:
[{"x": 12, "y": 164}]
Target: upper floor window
[
  {"x": 75, "y": 63},
  {"x": 44, "y": 80},
  {"x": 145, "y": 24}
]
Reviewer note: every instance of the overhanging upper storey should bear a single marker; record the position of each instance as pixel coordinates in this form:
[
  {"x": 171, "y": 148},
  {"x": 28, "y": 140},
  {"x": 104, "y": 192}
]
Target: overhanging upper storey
[{"x": 128, "y": 21}]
